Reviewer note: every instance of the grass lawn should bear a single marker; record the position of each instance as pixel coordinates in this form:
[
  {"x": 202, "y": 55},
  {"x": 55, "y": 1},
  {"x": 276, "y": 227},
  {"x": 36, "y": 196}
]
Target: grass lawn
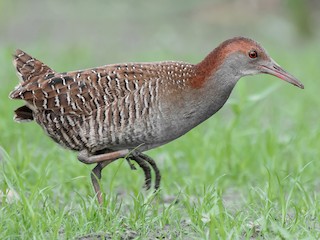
[{"x": 250, "y": 172}]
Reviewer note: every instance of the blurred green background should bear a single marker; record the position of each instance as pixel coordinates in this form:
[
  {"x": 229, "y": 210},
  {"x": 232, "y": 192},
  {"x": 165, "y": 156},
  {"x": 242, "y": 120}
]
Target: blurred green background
[
  {"x": 250, "y": 171},
  {"x": 112, "y": 31}
]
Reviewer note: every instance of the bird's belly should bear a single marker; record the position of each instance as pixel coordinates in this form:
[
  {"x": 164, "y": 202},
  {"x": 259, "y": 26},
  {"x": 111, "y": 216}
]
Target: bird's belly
[{"x": 96, "y": 132}]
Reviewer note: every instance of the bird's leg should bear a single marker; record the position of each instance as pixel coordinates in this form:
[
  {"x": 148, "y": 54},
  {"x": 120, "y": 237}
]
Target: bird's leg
[
  {"x": 105, "y": 159},
  {"x": 145, "y": 167},
  {"x": 102, "y": 161},
  {"x": 96, "y": 176},
  {"x": 87, "y": 159}
]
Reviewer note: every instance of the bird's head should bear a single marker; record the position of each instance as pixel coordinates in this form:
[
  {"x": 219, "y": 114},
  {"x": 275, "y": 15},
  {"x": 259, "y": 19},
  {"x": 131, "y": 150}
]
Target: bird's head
[
  {"x": 250, "y": 58},
  {"x": 238, "y": 57}
]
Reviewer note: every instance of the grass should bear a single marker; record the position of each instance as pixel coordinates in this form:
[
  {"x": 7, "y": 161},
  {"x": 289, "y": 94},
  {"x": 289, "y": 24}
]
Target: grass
[{"x": 250, "y": 172}]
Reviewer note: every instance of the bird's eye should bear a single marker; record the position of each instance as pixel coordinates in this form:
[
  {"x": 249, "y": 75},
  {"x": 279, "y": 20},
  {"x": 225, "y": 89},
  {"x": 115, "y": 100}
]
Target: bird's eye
[{"x": 253, "y": 54}]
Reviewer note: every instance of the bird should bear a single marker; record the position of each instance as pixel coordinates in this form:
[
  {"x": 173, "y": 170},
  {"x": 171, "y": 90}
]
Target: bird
[{"x": 122, "y": 110}]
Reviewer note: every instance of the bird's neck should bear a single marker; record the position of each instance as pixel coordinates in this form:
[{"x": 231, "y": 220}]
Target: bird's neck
[
  {"x": 215, "y": 93},
  {"x": 216, "y": 89}
]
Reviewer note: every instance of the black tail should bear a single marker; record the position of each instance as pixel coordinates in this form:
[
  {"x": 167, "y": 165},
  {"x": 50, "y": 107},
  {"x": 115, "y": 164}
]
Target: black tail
[{"x": 23, "y": 114}]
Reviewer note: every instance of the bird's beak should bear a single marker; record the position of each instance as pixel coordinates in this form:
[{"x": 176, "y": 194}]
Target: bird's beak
[{"x": 274, "y": 69}]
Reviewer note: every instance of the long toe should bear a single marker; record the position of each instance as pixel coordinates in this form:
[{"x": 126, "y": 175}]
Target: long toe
[
  {"x": 146, "y": 169},
  {"x": 155, "y": 168}
]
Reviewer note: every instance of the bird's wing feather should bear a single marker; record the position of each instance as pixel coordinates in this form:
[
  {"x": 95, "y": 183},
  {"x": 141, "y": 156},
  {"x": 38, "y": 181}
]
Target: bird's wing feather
[{"x": 82, "y": 92}]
